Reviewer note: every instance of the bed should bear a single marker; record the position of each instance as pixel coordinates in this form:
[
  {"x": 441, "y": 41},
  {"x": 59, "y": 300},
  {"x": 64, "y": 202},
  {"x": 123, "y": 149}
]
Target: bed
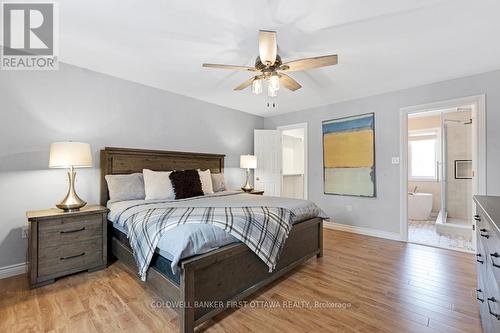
[{"x": 229, "y": 271}]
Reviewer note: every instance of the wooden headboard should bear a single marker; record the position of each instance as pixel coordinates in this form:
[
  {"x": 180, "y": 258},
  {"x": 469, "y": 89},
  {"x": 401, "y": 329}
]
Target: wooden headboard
[{"x": 116, "y": 161}]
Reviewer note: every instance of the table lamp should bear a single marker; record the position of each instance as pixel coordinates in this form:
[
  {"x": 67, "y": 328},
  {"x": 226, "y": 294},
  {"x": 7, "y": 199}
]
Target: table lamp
[
  {"x": 70, "y": 155},
  {"x": 248, "y": 162}
]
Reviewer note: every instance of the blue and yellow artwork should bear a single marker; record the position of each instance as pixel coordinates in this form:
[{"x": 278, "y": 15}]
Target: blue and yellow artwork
[{"x": 349, "y": 156}]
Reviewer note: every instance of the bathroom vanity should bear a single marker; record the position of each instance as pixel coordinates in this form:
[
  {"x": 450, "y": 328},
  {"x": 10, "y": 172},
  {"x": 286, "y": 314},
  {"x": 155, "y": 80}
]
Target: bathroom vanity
[{"x": 488, "y": 261}]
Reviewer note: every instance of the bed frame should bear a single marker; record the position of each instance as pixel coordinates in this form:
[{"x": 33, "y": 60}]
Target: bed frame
[{"x": 228, "y": 274}]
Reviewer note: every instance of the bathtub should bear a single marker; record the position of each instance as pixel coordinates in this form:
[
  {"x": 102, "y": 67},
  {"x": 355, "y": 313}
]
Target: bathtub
[{"x": 419, "y": 206}]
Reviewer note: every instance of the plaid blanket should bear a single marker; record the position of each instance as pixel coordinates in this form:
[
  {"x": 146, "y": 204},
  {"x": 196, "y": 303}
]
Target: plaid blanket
[{"x": 263, "y": 229}]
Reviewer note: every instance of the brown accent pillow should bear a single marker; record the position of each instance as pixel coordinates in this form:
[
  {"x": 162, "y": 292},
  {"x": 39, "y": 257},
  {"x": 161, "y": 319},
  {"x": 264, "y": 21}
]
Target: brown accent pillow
[{"x": 186, "y": 184}]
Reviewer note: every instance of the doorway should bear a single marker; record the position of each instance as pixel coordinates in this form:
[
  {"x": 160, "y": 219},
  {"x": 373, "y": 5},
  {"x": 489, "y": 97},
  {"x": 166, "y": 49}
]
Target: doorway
[
  {"x": 442, "y": 167},
  {"x": 293, "y": 154},
  {"x": 282, "y": 161}
]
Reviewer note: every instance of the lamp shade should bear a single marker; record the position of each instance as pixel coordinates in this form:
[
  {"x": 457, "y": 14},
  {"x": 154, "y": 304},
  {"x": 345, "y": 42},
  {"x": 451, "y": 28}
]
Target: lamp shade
[
  {"x": 67, "y": 154},
  {"x": 248, "y": 162}
]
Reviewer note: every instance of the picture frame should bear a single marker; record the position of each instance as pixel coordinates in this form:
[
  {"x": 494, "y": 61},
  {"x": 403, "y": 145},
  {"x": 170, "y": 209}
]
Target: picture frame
[{"x": 349, "y": 167}]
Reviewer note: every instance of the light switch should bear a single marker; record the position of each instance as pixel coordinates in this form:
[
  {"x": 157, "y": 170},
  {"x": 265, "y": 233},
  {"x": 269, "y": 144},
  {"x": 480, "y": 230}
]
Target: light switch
[{"x": 395, "y": 160}]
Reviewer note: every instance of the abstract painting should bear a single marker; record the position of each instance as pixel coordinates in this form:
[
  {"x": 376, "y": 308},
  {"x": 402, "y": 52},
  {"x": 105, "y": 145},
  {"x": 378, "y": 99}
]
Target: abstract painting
[{"x": 349, "y": 156}]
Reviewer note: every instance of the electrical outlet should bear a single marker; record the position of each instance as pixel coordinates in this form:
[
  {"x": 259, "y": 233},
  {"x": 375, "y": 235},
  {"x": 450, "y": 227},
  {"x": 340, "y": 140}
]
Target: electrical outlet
[
  {"x": 395, "y": 160},
  {"x": 24, "y": 232},
  {"x": 348, "y": 208}
]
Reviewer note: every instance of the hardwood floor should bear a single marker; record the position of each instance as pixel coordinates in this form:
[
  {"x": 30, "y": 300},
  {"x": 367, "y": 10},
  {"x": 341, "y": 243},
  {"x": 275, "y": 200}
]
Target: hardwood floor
[{"x": 362, "y": 284}]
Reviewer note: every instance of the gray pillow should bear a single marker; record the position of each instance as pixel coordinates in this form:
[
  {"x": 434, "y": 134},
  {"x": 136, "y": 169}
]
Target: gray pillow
[
  {"x": 218, "y": 182},
  {"x": 126, "y": 187}
]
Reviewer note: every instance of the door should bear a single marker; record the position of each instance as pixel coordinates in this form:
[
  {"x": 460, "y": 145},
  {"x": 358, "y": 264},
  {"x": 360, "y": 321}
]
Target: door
[
  {"x": 267, "y": 149},
  {"x": 443, "y": 170}
]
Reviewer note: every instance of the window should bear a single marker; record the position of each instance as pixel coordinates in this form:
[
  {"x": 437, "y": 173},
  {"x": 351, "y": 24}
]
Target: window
[{"x": 423, "y": 156}]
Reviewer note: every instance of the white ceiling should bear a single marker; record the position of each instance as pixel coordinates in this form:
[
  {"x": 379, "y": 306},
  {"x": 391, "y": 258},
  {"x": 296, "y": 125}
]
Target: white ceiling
[{"x": 383, "y": 45}]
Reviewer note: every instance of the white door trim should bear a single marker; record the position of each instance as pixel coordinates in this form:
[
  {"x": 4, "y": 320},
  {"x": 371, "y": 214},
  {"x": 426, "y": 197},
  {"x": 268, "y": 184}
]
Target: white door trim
[
  {"x": 306, "y": 159},
  {"x": 480, "y": 101}
]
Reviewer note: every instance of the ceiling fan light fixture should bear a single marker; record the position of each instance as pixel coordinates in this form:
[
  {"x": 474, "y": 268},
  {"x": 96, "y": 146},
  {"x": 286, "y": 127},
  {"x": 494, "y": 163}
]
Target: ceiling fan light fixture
[
  {"x": 257, "y": 86},
  {"x": 270, "y": 70},
  {"x": 274, "y": 82},
  {"x": 271, "y": 92}
]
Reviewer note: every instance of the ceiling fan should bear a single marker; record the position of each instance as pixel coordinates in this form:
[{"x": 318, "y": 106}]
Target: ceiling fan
[{"x": 271, "y": 68}]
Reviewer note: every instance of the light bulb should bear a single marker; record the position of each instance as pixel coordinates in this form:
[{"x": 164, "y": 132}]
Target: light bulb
[
  {"x": 257, "y": 86},
  {"x": 271, "y": 92},
  {"x": 274, "y": 82}
]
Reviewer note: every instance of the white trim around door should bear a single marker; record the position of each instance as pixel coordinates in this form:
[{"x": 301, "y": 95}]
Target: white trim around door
[{"x": 480, "y": 102}]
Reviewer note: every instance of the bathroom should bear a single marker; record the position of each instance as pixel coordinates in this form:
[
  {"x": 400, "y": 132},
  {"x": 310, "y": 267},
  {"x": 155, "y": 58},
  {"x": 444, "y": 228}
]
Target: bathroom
[{"x": 441, "y": 177}]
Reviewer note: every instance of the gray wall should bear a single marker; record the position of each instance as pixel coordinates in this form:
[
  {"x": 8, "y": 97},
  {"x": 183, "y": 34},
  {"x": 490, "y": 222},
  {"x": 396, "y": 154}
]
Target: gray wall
[
  {"x": 382, "y": 213},
  {"x": 37, "y": 108}
]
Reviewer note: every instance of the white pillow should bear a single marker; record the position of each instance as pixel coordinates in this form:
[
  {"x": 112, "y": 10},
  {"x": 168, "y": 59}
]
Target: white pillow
[
  {"x": 157, "y": 185},
  {"x": 218, "y": 182},
  {"x": 206, "y": 182}
]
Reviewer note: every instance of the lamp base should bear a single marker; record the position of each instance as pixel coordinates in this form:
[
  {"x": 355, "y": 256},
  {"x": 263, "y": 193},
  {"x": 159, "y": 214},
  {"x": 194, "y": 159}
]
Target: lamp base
[
  {"x": 247, "y": 187},
  {"x": 71, "y": 202},
  {"x": 71, "y": 208},
  {"x": 250, "y": 189}
]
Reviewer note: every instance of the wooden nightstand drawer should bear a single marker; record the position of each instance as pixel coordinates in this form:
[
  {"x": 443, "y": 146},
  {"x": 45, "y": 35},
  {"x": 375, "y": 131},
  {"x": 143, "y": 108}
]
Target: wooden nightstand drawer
[
  {"x": 69, "y": 257},
  {"x": 69, "y": 230},
  {"x": 62, "y": 243},
  {"x": 69, "y": 222}
]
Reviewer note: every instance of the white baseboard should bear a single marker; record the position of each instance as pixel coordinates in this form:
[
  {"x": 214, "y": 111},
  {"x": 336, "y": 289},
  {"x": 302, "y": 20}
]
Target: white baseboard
[
  {"x": 362, "y": 230},
  {"x": 13, "y": 270}
]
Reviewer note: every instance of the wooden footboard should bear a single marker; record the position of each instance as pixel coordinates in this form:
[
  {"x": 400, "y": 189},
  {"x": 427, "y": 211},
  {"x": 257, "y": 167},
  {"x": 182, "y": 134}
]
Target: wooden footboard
[{"x": 210, "y": 282}]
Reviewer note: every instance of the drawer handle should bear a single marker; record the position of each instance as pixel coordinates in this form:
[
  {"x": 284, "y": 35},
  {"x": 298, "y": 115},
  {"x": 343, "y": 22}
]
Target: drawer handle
[
  {"x": 477, "y": 217},
  {"x": 71, "y": 257},
  {"x": 477, "y": 295},
  {"x": 496, "y": 315},
  {"x": 494, "y": 255},
  {"x": 477, "y": 258},
  {"x": 72, "y": 231},
  {"x": 484, "y": 235}
]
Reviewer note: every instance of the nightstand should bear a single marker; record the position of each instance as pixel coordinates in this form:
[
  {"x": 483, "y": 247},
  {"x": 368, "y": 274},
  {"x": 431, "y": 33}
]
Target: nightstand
[{"x": 62, "y": 243}]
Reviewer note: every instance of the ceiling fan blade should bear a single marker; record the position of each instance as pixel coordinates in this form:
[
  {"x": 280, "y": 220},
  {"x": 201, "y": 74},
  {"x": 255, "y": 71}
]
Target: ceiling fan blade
[
  {"x": 288, "y": 82},
  {"x": 245, "y": 84},
  {"x": 309, "y": 63},
  {"x": 268, "y": 48},
  {"x": 231, "y": 67}
]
